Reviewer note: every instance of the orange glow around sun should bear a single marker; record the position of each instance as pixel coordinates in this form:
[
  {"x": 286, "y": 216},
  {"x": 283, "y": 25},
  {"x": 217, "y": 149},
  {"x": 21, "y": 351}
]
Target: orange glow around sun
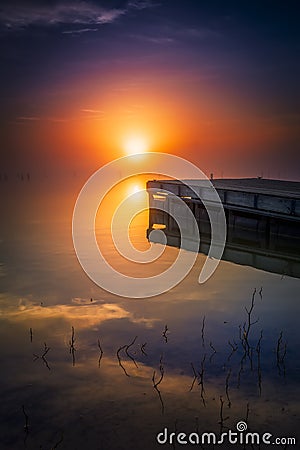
[
  {"x": 135, "y": 144},
  {"x": 107, "y": 123}
]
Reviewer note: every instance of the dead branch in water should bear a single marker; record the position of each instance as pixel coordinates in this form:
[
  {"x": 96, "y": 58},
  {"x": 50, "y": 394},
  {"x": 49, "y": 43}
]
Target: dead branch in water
[
  {"x": 165, "y": 333},
  {"x": 26, "y": 426},
  {"x": 31, "y": 334},
  {"x": 280, "y": 354},
  {"x": 234, "y": 348},
  {"x": 227, "y": 388},
  {"x": 249, "y": 318},
  {"x": 43, "y": 356},
  {"x": 72, "y": 347},
  {"x": 156, "y": 383},
  {"x": 128, "y": 354},
  {"x": 214, "y": 352},
  {"x": 222, "y": 419},
  {"x": 143, "y": 348},
  {"x": 247, "y": 413},
  {"x": 202, "y": 331},
  {"x": 194, "y": 379},
  {"x": 125, "y": 348},
  {"x": 120, "y": 361},
  {"x": 101, "y": 353},
  {"x": 201, "y": 380},
  {"x": 200, "y": 377},
  {"x": 58, "y": 442},
  {"x": 244, "y": 336},
  {"x": 258, "y": 350}
]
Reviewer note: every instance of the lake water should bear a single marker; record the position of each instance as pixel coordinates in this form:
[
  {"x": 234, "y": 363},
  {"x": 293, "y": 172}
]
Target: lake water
[{"x": 213, "y": 370}]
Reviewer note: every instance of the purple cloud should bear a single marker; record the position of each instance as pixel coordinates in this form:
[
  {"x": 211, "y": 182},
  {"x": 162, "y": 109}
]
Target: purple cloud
[{"x": 66, "y": 12}]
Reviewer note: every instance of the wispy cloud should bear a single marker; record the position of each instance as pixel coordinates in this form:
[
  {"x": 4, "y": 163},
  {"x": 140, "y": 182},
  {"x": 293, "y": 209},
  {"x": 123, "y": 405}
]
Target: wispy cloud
[
  {"x": 169, "y": 35},
  {"x": 30, "y": 118},
  {"x": 142, "y": 4},
  {"x": 80, "y": 31},
  {"x": 65, "y": 12},
  {"x": 162, "y": 40},
  {"x": 25, "y": 119},
  {"x": 93, "y": 114},
  {"x": 93, "y": 111}
]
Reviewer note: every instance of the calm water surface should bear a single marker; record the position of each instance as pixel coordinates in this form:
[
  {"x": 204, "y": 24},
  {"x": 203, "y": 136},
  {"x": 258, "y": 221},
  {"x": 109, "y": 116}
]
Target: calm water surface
[{"x": 191, "y": 338}]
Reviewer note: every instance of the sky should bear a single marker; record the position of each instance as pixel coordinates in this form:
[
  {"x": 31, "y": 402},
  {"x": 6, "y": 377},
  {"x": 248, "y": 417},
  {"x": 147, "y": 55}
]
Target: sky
[{"x": 214, "y": 82}]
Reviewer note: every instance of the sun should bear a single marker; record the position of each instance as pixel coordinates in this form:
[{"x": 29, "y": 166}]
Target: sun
[
  {"x": 135, "y": 144},
  {"x": 134, "y": 188}
]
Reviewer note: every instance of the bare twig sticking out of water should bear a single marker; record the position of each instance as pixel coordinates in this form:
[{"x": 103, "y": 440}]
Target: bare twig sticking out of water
[
  {"x": 120, "y": 361},
  {"x": 249, "y": 319},
  {"x": 227, "y": 388},
  {"x": 247, "y": 413},
  {"x": 222, "y": 419},
  {"x": 258, "y": 350},
  {"x": 214, "y": 352},
  {"x": 143, "y": 346},
  {"x": 278, "y": 348},
  {"x": 200, "y": 377},
  {"x": 260, "y": 293},
  {"x": 202, "y": 331},
  {"x": 280, "y": 354},
  {"x": 58, "y": 442},
  {"x": 46, "y": 350},
  {"x": 244, "y": 337},
  {"x": 31, "y": 334},
  {"x": 101, "y": 353},
  {"x": 251, "y": 358},
  {"x": 240, "y": 333},
  {"x": 234, "y": 348},
  {"x": 125, "y": 348},
  {"x": 165, "y": 333},
  {"x": 72, "y": 347},
  {"x": 156, "y": 383},
  {"x": 128, "y": 354},
  {"x": 43, "y": 356},
  {"x": 26, "y": 426},
  {"x": 201, "y": 380},
  {"x": 195, "y": 377}
]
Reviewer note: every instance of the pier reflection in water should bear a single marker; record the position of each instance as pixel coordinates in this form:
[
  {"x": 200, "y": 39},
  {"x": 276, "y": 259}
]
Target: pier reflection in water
[{"x": 95, "y": 389}]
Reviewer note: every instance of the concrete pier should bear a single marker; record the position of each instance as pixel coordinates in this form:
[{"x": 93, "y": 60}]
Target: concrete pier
[{"x": 263, "y": 219}]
